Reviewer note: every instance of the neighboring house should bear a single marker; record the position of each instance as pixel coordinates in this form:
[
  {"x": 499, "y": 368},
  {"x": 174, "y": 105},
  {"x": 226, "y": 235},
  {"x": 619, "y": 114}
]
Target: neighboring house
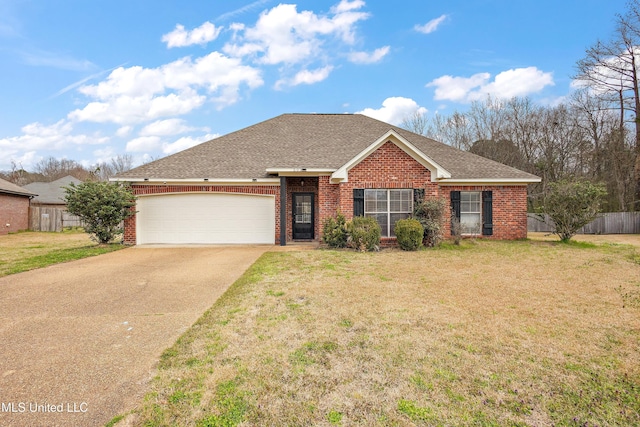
[
  {"x": 49, "y": 208},
  {"x": 280, "y": 179},
  {"x": 14, "y": 207}
]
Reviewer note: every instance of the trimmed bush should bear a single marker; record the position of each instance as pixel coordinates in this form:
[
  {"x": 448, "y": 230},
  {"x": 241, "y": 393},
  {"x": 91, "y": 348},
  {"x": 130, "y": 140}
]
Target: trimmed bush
[
  {"x": 430, "y": 213},
  {"x": 409, "y": 233},
  {"x": 364, "y": 234},
  {"x": 334, "y": 231}
]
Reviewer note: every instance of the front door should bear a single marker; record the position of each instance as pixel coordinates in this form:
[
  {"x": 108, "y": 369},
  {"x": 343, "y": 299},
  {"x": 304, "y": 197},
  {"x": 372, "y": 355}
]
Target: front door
[{"x": 303, "y": 216}]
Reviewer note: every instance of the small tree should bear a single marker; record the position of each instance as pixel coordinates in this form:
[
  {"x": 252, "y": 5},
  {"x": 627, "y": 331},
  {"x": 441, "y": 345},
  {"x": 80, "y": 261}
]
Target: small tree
[
  {"x": 102, "y": 206},
  {"x": 571, "y": 205},
  {"x": 430, "y": 213}
]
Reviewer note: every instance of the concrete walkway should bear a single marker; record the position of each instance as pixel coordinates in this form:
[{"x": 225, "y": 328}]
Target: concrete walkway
[{"x": 83, "y": 337}]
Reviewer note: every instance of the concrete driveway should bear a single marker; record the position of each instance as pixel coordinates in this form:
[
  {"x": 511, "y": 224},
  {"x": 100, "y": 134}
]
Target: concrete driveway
[{"x": 84, "y": 337}]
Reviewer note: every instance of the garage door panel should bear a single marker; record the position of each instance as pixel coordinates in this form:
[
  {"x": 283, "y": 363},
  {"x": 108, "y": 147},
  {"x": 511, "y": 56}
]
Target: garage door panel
[{"x": 205, "y": 218}]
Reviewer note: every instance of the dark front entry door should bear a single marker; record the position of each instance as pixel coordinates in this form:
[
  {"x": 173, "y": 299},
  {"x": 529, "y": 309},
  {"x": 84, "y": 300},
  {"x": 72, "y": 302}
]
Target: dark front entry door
[{"x": 302, "y": 215}]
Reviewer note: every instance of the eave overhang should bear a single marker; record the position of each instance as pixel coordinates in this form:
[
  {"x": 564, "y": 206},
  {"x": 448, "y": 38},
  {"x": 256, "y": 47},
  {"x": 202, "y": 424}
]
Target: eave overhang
[
  {"x": 199, "y": 181},
  {"x": 489, "y": 181}
]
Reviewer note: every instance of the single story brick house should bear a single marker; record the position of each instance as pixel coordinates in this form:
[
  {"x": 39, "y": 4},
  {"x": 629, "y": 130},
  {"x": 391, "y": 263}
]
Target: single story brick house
[
  {"x": 14, "y": 207},
  {"x": 279, "y": 180}
]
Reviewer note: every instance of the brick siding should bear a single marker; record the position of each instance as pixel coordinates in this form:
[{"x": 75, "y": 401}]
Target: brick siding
[{"x": 14, "y": 210}]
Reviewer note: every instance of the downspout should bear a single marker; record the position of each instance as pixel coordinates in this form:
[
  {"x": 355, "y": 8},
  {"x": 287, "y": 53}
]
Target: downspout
[{"x": 283, "y": 211}]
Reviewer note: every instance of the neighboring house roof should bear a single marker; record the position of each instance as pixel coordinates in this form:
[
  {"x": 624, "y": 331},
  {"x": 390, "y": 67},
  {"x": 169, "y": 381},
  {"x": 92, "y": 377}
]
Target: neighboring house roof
[
  {"x": 321, "y": 142},
  {"x": 52, "y": 193},
  {"x": 10, "y": 188}
]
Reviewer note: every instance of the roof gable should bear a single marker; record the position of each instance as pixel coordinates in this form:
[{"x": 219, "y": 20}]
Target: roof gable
[{"x": 437, "y": 171}]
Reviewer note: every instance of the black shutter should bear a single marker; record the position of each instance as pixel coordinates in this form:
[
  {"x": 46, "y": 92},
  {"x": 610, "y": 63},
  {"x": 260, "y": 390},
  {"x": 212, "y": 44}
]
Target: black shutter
[
  {"x": 418, "y": 195},
  {"x": 487, "y": 213},
  {"x": 358, "y": 202},
  {"x": 455, "y": 208}
]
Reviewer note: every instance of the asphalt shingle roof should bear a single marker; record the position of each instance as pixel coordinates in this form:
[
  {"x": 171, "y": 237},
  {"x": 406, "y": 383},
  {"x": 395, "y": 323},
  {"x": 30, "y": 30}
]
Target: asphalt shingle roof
[
  {"x": 325, "y": 141},
  {"x": 10, "y": 188},
  {"x": 52, "y": 192}
]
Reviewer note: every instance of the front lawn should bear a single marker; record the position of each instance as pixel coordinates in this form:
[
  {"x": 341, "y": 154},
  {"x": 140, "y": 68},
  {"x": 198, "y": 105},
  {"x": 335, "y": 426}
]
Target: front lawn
[
  {"x": 30, "y": 249},
  {"x": 487, "y": 334}
]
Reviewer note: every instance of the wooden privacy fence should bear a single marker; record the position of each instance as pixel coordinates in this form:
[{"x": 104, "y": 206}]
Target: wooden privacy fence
[
  {"x": 51, "y": 219},
  {"x": 607, "y": 223}
]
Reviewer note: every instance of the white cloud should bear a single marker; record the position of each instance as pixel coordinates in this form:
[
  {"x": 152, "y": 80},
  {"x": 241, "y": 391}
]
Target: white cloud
[
  {"x": 165, "y": 128},
  {"x": 394, "y": 110},
  {"x": 137, "y": 94},
  {"x": 431, "y": 26},
  {"x": 201, "y": 35},
  {"x": 186, "y": 142},
  {"x": 284, "y": 35},
  {"x": 369, "y": 58},
  {"x": 507, "y": 84},
  {"x": 457, "y": 88},
  {"x": 124, "y": 131},
  {"x": 347, "y": 6},
  {"x": 307, "y": 77},
  {"x": 58, "y": 136},
  {"x": 37, "y": 137},
  {"x": 144, "y": 144}
]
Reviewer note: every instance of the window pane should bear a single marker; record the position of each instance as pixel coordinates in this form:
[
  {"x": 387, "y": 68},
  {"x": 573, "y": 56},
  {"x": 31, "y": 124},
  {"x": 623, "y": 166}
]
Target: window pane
[
  {"x": 470, "y": 223},
  {"x": 401, "y": 200},
  {"x": 470, "y": 202},
  {"x": 395, "y": 217},
  {"x": 375, "y": 201}
]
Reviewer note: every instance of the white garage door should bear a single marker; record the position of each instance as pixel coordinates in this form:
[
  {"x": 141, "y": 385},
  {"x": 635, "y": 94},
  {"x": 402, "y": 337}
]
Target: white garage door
[{"x": 205, "y": 218}]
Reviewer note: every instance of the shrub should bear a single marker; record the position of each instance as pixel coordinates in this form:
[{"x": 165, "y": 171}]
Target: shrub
[
  {"x": 364, "y": 234},
  {"x": 334, "y": 231},
  {"x": 102, "y": 206},
  {"x": 430, "y": 213},
  {"x": 409, "y": 233},
  {"x": 572, "y": 205}
]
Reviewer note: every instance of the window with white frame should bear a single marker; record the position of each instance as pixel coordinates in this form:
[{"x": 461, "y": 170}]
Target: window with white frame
[
  {"x": 387, "y": 207},
  {"x": 471, "y": 212}
]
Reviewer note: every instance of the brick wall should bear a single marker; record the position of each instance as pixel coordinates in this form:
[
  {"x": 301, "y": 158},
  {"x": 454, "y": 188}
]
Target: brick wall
[
  {"x": 390, "y": 167},
  {"x": 148, "y": 189},
  {"x": 14, "y": 210},
  {"x": 509, "y": 209}
]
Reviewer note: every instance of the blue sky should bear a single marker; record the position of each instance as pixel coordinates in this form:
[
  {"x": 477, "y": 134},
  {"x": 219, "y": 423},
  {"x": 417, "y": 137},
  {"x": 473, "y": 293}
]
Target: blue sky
[{"x": 88, "y": 80}]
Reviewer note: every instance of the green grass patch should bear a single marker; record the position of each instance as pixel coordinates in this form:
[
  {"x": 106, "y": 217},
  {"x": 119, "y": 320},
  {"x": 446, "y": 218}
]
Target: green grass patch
[
  {"x": 334, "y": 417},
  {"x": 58, "y": 256}
]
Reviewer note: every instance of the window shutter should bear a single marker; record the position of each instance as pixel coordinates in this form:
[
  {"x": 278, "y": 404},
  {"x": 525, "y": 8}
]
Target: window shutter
[
  {"x": 358, "y": 202},
  {"x": 455, "y": 208},
  {"x": 487, "y": 213},
  {"x": 418, "y": 195}
]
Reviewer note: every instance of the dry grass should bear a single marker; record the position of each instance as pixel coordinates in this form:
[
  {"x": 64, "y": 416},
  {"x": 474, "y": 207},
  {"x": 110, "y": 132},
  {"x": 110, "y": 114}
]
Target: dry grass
[{"x": 488, "y": 334}]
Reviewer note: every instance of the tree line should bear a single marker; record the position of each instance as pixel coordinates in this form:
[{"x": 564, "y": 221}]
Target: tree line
[
  {"x": 579, "y": 139},
  {"x": 51, "y": 169}
]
